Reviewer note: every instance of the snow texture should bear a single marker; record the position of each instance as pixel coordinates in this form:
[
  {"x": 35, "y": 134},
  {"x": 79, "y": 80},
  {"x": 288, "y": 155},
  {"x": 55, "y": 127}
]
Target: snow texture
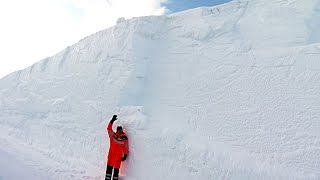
[{"x": 226, "y": 92}]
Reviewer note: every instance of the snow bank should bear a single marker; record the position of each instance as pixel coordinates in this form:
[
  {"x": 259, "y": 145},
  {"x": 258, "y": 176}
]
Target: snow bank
[{"x": 228, "y": 92}]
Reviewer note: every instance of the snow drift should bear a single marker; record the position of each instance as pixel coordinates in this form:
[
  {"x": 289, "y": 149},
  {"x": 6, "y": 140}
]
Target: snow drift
[{"x": 227, "y": 92}]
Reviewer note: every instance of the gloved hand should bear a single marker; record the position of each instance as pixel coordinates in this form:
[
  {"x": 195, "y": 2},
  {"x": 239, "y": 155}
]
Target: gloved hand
[
  {"x": 114, "y": 118},
  {"x": 124, "y": 157}
]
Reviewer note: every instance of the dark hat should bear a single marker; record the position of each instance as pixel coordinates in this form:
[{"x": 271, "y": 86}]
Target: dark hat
[{"x": 119, "y": 128}]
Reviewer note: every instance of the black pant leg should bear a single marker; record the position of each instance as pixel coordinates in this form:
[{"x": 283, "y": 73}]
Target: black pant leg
[
  {"x": 108, "y": 173},
  {"x": 115, "y": 174}
]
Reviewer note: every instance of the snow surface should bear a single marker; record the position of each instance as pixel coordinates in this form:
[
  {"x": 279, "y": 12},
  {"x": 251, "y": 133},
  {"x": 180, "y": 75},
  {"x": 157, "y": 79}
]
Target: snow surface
[
  {"x": 227, "y": 92},
  {"x": 9, "y": 166}
]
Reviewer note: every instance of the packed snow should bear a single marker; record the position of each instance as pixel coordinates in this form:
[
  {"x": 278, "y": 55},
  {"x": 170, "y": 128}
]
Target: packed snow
[{"x": 226, "y": 92}]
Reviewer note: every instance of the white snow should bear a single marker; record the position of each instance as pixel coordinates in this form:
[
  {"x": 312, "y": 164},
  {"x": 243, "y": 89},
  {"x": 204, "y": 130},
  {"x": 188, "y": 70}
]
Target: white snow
[
  {"x": 227, "y": 92},
  {"x": 11, "y": 168}
]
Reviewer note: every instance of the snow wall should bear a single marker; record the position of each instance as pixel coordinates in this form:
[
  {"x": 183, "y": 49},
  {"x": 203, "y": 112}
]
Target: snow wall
[{"x": 226, "y": 92}]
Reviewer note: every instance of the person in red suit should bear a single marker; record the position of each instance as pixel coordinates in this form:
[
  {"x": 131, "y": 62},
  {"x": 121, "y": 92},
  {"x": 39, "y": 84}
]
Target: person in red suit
[{"x": 118, "y": 150}]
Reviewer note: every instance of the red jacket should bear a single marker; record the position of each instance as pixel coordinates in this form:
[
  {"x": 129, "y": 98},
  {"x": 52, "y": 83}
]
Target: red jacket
[{"x": 118, "y": 147}]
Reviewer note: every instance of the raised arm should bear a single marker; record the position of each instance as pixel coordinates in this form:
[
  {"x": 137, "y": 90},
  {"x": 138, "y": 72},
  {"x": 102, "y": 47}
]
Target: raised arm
[{"x": 109, "y": 127}]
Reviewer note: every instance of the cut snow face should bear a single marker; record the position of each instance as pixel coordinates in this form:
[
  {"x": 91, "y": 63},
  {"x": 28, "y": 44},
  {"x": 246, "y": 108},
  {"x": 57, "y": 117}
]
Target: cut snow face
[
  {"x": 314, "y": 25},
  {"x": 228, "y": 92}
]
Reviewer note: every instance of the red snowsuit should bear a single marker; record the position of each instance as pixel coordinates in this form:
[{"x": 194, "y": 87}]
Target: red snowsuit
[{"x": 118, "y": 147}]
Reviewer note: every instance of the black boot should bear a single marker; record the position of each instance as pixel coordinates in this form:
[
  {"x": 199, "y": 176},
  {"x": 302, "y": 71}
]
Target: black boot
[
  {"x": 109, "y": 172},
  {"x": 115, "y": 174}
]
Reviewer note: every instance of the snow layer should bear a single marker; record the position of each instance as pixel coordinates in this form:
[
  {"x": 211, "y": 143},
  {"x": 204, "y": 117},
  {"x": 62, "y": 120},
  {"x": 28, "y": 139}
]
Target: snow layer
[{"x": 227, "y": 92}]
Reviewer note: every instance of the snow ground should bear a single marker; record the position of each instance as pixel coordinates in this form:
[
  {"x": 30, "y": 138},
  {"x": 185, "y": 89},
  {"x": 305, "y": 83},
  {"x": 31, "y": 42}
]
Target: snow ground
[
  {"x": 10, "y": 165},
  {"x": 228, "y": 92}
]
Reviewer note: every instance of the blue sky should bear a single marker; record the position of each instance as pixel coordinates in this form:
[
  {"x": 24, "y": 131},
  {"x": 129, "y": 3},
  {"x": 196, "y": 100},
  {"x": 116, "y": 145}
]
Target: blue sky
[{"x": 180, "y": 5}]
